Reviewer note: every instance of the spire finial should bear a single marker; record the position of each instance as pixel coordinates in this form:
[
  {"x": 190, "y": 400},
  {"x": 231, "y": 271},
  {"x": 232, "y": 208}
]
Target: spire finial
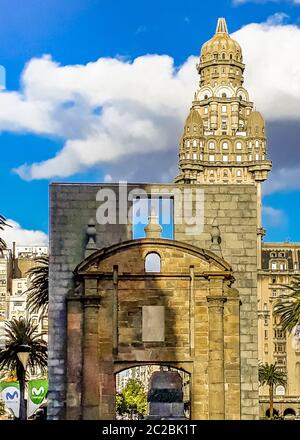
[
  {"x": 221, "y": 26},
  {"x": 153, "y": 229}
]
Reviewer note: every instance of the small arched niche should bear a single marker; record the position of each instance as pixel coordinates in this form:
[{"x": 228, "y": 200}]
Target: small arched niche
[{"x": 152, "y": 262}]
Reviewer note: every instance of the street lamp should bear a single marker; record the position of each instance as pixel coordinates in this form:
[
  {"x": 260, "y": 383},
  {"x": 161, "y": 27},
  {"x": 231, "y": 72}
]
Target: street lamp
[{"x": 23, "y": 356}]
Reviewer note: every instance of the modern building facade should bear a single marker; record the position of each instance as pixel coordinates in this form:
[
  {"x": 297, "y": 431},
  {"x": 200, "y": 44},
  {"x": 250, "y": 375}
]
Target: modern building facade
[{"x": 280, "y": 263}]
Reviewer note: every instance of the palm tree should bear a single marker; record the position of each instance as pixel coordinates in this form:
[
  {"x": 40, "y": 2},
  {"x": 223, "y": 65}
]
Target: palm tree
[
  {"x": 271, "y": 375},
  {"x": 2, "y": 226},
  {"x": 289, "y": 308},
  {"x": 37, "y": 294},
  {"x": 20, "y": 333}
]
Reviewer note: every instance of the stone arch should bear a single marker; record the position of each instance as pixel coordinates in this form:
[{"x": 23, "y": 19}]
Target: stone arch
[{"x": 123, "y": 316}]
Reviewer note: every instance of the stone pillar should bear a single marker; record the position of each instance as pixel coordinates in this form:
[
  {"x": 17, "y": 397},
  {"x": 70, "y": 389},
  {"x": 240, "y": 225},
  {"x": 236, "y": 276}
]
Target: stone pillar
[
  {"x": 74, "y": 358},
  {"x": 90, "y": 379},
  {"x": 216, "y": 353}
]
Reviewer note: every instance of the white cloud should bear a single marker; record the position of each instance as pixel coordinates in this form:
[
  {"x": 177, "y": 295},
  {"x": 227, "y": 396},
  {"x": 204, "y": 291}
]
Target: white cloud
[
  {"x": 272, "y": 67},
  {"x": 126, "y": 117},
  {"x": 283, "y": 179},
  {"x": 273, "y": 217},
  {"x": 21, "y": 236},
  {"x": 104, "y": 110}
]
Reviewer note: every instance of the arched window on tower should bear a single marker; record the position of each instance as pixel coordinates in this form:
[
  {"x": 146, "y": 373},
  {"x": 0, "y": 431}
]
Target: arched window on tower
[
  {"x": 223, "y": 56},
  {"x": 152, "y": 262},
  {"x": 230, "y": 56},
  {"x": 224, "y": 95}
]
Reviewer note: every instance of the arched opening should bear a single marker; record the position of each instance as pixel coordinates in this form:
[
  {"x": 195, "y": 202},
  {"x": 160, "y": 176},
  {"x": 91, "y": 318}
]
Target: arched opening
[
  {"x": 150, "y": 391},
  {"x": 224, "y": 95},
  {"x": 152, "y": 261},
  {"x": 289, "y": 412},
  {"x": 275, "y": 412}
]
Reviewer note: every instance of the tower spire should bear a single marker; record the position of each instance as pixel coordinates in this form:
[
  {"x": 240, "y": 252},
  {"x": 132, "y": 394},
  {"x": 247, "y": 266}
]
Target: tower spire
[{"x": 221, "y": 26}]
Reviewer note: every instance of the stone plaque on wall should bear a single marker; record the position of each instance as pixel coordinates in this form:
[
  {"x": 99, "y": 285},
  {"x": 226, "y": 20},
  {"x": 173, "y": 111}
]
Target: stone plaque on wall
[{"x": 153, "y": 324}]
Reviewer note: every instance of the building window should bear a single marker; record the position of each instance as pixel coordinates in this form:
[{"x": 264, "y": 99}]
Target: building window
[
  {"x": 239, "y": 173},
  {"x": 274, "y": 293},
  {"x": 265, "y": 306},
  {"x": 239, "y": 158},
  {"x": 281, "y": 254},
  {"x": 266, "y": 334},
  {"x": 194, "y": 155},
  {"x": 211, "y": 145},
  {"x": 188, "y": 155},
  {"x": 225, "y": 145},
  {"x": 211, "y": 158},
  {"x": 266, "y": 321},
  {"x": 225, "y": 158},
  {"x": 273, "y": 255},
  {"x": 257, "y": 157},
  {"x": 224, "y": 108},
  {"x": 274, "y": 265},
  {"x": 152, "y": 262},
  {"x": 195, "y": 128},
  {"x": 194, "y": 143},
  {"x": 141, "y": 210},
  {"x": 224, "y": 95},
  {"x": 205, "y": 110},
  {"x": 188, "y": 144},
  {"x": 238, "y": 145},
  {"x": 250, "y": 157}
]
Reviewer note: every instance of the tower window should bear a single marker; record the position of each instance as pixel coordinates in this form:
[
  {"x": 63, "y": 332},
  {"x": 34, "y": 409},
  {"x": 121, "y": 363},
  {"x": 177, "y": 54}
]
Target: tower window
[
  {"x": 224, "y": 95},
  {"x": 230, "y": 56},
  {"x": 188, "y": 144},
  {"x": 238, "y": 145},
  {"x": 257, "y": 157},
  {"x": 224, "y": 108},
  {"x": 195, "y": 128},
  {"x": 225, "y": 145},
  {"x": 211, "y": 145},
  {"x": 211, "y": 157},
  {"x": 205, "y": 96},
  {"x": 225, "y": 158},
  {"x": 239, "y": 158},
  {"x": 194, "y": 155},
  {"x": 250, "y": 157},
  {"x": 239, "y": 173},
  {"x": 152, "y": 262},
  {"x": 188, "y": 156},
  {"x": 206, "y": 110},
  {"x": 223, "y": 56},
  {"x": 194, "y": 143}
]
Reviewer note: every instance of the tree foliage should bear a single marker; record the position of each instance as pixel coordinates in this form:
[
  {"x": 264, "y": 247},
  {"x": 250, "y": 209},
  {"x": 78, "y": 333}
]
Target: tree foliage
[
  {"x": 23, "y": 332},
  {"x": 131, "y": 402},
  {"x": 289, "y": 308},
  {"x": 271, "y": 375},
  {"x": 38, "y": 292}
]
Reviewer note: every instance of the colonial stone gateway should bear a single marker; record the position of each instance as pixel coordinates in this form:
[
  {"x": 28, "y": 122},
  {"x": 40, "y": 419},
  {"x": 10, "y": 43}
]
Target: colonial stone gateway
[
  {"x": 183, "y": 296},
  {"x": 185, "y": 315}
]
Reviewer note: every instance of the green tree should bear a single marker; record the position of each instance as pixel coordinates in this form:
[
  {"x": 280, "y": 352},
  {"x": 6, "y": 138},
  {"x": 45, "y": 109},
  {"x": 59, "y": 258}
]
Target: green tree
[
  {"x": 38, "y": 292},
  {"x": 289, "y": 308},
  {"x": 271, "y": 375},
  {"x": 20, "y": 333},
  {"x": 2, "y": 408},
  {"x": 132, "y": 400},
  {"x": 2, "y": 226}
]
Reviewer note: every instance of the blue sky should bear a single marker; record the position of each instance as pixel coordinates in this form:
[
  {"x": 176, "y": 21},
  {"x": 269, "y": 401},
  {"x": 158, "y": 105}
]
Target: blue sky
[{"x": 77, "y": 32}]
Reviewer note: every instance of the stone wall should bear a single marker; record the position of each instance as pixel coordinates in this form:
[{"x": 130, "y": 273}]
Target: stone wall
[{"x": 233, "y": 207}]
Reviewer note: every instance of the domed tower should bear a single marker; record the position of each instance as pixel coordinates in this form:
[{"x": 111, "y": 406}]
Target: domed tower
[
  {"x": 231, "y": 144},
  {"x": 224, "y": 139}
]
